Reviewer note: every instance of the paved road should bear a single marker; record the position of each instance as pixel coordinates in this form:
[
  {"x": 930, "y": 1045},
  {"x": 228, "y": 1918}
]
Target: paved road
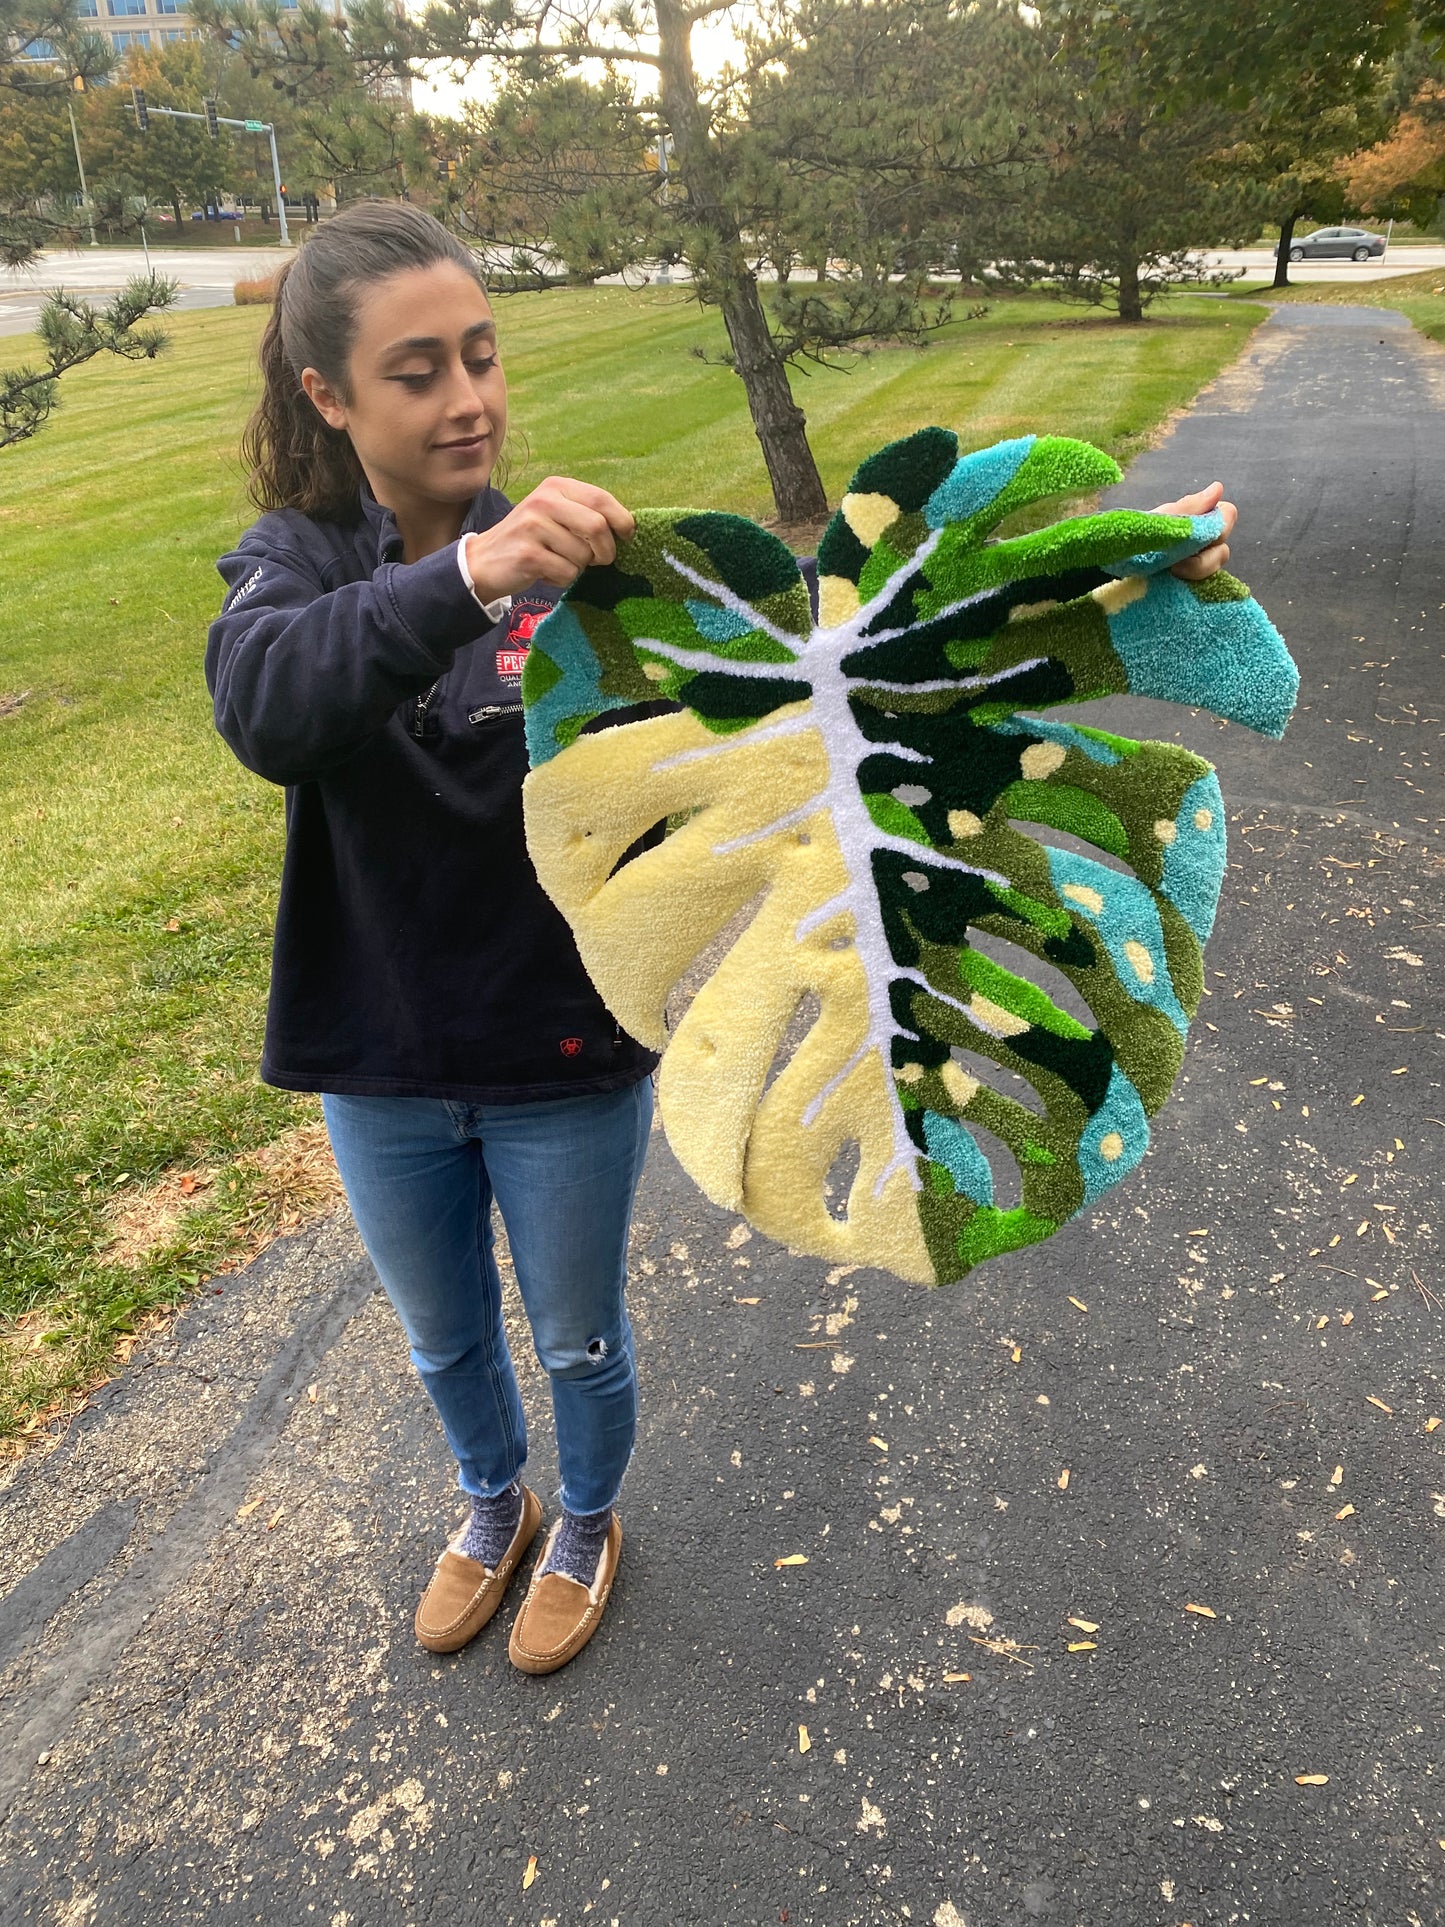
[
  {"x": 1405, "y": 258},
  {"x": 207, "y": 277},
  {"x": 213, "y": 1706}
]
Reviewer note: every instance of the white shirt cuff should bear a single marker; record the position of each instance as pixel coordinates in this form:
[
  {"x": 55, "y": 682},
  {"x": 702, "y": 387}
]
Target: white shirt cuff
[{"x": 493, "y": 611}]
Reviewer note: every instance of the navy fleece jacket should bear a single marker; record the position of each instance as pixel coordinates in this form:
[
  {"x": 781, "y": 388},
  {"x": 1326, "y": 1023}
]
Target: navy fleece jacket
[{"x": 416, "y": 954}]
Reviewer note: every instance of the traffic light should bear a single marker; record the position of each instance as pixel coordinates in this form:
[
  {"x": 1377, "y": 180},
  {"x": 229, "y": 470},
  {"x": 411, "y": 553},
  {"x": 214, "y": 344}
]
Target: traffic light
[
  {"x": 142, "y": 112},
  {"x": 213, "y": 126}
]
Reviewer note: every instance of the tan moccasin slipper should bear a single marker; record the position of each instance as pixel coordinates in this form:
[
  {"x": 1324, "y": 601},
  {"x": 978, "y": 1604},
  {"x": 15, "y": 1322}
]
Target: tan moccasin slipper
[
  {"x": 464, "y": 1593},
  {"x": 559, "y": 1615}
]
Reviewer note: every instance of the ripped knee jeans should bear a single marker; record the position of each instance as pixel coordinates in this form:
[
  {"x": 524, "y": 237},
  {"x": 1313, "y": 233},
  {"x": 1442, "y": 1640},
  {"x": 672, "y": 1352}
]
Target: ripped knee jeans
[{"x": 421, "y": 1176}]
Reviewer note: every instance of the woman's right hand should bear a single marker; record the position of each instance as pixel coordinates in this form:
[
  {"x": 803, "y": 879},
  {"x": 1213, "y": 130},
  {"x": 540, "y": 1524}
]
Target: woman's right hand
[{"x": 562, "y": 528}]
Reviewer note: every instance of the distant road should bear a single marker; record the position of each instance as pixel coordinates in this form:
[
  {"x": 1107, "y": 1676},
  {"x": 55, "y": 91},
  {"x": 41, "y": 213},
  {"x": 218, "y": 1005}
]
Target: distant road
[
  {"x": 1398, "y": 260},
  {"x": 207, "y": 276}
]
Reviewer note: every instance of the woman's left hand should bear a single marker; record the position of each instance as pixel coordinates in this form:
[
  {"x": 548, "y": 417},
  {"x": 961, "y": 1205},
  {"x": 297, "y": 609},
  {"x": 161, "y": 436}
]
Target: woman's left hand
[{"x": 1196, "y": 568}]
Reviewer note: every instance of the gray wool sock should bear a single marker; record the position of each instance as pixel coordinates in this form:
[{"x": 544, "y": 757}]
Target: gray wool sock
[
  {"x": 493, "y": 1525},
  {"x": 578, "y": 1546}
]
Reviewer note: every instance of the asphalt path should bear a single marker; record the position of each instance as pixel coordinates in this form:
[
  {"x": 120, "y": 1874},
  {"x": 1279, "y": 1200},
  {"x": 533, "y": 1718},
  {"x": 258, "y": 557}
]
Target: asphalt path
[{"x": 1026, "y": 1698}]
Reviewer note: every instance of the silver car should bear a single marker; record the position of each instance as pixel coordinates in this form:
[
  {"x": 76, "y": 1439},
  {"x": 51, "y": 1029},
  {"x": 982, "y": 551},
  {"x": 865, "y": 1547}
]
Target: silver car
[{"x": 1337, "y": 244}]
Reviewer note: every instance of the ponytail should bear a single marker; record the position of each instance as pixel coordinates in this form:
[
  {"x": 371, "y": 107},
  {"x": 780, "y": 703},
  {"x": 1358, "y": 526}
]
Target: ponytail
[{"x": 296, "y": 460}]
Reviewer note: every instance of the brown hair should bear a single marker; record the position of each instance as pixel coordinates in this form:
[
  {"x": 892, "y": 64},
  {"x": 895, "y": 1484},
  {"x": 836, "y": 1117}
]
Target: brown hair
[{"x": 296, "y": 460}]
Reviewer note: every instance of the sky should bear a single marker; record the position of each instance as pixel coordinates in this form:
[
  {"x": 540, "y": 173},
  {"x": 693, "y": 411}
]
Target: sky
[{"x": 714, "y": 44}]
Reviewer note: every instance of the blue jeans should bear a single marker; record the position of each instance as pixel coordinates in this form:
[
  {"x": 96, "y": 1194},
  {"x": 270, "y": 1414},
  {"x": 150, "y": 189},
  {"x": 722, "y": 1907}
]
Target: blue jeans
[{"x": 421, "y": 1175}]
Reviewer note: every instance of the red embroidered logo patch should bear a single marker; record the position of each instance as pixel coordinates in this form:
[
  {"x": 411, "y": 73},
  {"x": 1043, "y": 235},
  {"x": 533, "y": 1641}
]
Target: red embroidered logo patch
[
  {"x": 510, "y": 661},
  {"x": 524, "y": 624},
  {"x": 571, "y": 1046}
]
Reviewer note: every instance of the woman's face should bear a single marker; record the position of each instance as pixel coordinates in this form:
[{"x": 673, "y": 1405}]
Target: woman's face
[{"x": 426, "y": 407}]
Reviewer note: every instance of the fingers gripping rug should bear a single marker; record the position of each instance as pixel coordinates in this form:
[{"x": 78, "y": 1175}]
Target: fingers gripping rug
[{"x": 869, "y": 803}]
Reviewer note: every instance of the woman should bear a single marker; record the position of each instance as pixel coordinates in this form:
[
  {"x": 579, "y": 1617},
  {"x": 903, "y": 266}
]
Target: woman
[{"x": 368, "y": 657}]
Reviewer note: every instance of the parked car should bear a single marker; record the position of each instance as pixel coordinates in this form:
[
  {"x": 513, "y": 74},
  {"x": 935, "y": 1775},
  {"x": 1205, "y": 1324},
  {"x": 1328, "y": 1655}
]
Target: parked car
[{"x": 1337, "y": 244}]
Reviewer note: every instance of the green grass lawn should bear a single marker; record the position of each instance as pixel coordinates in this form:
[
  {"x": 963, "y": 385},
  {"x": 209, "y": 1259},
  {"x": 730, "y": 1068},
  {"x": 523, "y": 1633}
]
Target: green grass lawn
[
  {"x": 138, "y": 861},
  {"x": 1420, "y": 296}
]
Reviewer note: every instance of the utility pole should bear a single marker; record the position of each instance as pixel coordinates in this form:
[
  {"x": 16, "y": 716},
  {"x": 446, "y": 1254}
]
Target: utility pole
[
  {"x": 77, "y": 86},
  {"x": 214, "y": 123}
]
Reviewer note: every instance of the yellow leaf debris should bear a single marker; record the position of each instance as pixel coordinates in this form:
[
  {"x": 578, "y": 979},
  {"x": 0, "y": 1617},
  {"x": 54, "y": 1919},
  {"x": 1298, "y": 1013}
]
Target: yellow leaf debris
[
  {"x": 1376, "y": 1296},
  {"x": 1017, "y": 1353},
  {"x": 792, "y": 1559},
  {"x": 805, "y": 1745},
  {"x": 952, "y": 1679},
  {"x": 1345, "y": 1512},
  {"x": 747, "y": 1301},
  {"x": 1312, "y": 1779},
  {"x": 531, "y": 1873},
  {"x": 1337, "y": 1476},
  {"x": 1348, "y": 1318},
  {"x": 1205, "y": 1612},
  {"x": 1064, "y": 1480},
  {"x": 1380, "y": 1405},
  {"x": 1084, "y": 1625},
  {"x": 880, "y": 1443},
  {"x": 247, "y": 1510},
  {"x": 1431, "y": 1424},
  {"x": 1357, "y": 1100},
  {"x": 1083, "y": 1645},
  {"x": 1077, "y": 1303}
]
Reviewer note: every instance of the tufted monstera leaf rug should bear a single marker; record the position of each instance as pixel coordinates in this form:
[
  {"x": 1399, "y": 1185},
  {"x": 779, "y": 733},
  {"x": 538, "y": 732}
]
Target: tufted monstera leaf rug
[{"x": 870, "y": 809}]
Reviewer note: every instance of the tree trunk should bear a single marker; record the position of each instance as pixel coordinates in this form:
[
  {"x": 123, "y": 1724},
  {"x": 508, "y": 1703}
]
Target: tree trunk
[
  {"x": 1131, "y": 308},
  {"x": 779, "y": 422},
  {"x": 1281, "y": 260},
  {"x": 176, "y": 208}
]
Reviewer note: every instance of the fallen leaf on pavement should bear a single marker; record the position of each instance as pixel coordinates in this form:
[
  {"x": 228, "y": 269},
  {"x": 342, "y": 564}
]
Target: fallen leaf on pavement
[
  {"x": 1084, "y": 1625},
  {"x": 804, "y": 1743},
  {"x": 1083, "y": 1645},
  {"x": 1205, "y": 1612},
  {"x": 531, "y": 1874},
  {"x": 1078, "y": 1303},
  {"x": 1389, "y": 1410},
  {"x": 792, "y": 1559},
  {"x": 1312, "y": 1779},
  {"x": 247, "y": 1510},
  {"x": 1344, "y": 1512}
]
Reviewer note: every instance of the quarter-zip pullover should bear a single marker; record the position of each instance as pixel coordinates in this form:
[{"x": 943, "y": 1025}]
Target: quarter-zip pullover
[{"x": 416, "y": 954}]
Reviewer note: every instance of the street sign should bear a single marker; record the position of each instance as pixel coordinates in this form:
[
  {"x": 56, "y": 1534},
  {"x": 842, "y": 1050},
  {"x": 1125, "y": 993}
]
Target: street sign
[{"x": 255, "y": 126}]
